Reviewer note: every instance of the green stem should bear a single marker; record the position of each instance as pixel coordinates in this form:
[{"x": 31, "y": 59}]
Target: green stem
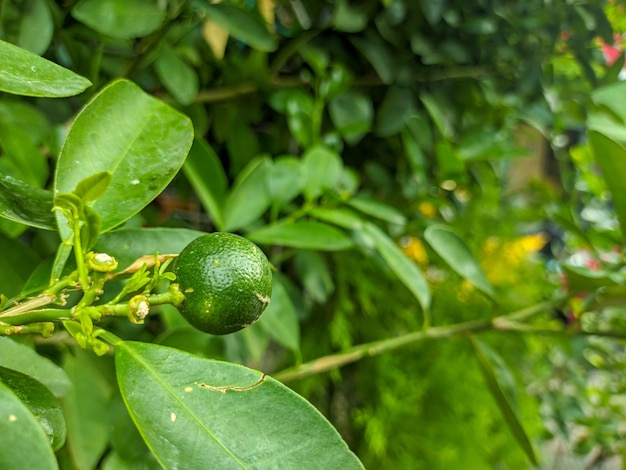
[
  {"x": 80, "y": 257},
  {"x": 36, "y": 316},
  {"x": 375, "y": 348},
  {"x": 44, "y": 329}
]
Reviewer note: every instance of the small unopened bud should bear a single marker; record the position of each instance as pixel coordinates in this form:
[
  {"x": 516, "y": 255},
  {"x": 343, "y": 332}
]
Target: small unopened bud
[
  {"x": 138, "y": 309},
  {"x": 101, "y": 262}
]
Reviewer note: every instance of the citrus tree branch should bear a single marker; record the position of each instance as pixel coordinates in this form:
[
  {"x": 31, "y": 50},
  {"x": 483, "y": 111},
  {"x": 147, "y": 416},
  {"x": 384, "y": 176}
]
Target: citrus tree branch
[{"x": 356, "y": 353}]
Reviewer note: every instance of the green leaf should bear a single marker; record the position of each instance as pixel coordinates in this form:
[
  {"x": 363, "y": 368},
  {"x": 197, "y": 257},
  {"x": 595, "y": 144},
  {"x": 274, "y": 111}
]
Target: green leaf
[
  {"x": 455, "y": 252},
  {"x": 180, "y": 79},
  {"x": 123, "y": 19},
  {"x": 342, "y": 217},
  {"x": 23, "y": 439},
  {"x": 402, "y": 266},
  {"x": 92, "y": 228},
  {"x": 35, "y": 26},
  {"x": 26, "y": 204},
  {"x": 25, "y": 116},
  {"x": 25, "y": 73},
  {"x": 130, "y": 244},
  {"x": 348, "y": 18},
  {"x": 352, "y": 114},
  {"x": 21, "y": 358},
  {"x": 322, "y": 167},
  {"x": 314, "y": 274},
  {"x": 41, "y": 403},
  {"x": 86, "y": 407},
  {"x": 125, "y": 437},
  {"x": 611, "y": 158},
  {"x": 377, "y": 209},
  {"x": 495, "y": 386},
  {"x": 243, "y": 24},
  {"x": 248, "y": 198},
  {"x": 299, "y": 107},
  {"x": 438, "y": 115},
  {"x": 285, "y": 180},
  {"x": 207, "y": 177},
  {"x": 139, "y": 139},
  {"x": 22, "y": 157},
  {"x": 93, "y": 186},
  {"x": 16, "y": 263},
  {"x": 395, "y": 108},
  {"x": 308, "y": 235},
  {"x": 280, "y": 319},
  {"x": 378, "y": 54},
  {"x": 209, "y": 414}
]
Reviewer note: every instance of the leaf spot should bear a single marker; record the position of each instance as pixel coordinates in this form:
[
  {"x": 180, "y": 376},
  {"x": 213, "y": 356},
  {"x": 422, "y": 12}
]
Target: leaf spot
[{"x": 233, "y": 388}]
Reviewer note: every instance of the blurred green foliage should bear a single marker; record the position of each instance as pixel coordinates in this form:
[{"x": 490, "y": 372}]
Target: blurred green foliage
[{"x": 391, "y": 116}]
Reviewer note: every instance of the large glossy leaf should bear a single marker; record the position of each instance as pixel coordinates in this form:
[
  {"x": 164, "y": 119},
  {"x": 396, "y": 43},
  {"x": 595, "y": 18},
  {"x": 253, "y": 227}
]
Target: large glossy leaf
[
  {"x": 611, "y": 158},
  {"x": 458, "y": 256},
  {"x": 248, "y": 198},
  {"x": 23, "y": 359},
  {"x": 86, "y": 407},
  {"x": 402, "y": 266},
  {"x": 499, "y": 382},
  {"x": 41, "y": 403},
  {"x": 309, "y": 235},
  {"x": 131, "y": 244},
  {"x": 25, "y": 73},
  {"x": 122, "y": 19},
  {"x": 200, "y": 413},
  {"x": 243, "y": 24},
  {"x": 24, "y": 442},
  {"x": 139, "y": 139},
  {"x": 208, "y": 179}
]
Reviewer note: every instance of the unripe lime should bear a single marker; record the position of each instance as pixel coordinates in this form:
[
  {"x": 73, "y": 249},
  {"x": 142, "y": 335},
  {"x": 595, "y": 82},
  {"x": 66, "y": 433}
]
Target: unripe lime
[{"x": 226, "y": 280}]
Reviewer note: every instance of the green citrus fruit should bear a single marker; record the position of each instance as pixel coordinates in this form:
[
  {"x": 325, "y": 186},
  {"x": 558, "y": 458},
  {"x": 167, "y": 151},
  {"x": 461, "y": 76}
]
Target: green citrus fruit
[{"x": 226, "y": 280}]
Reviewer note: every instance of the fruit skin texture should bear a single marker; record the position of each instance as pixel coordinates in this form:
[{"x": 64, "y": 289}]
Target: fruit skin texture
[{"x": 226, "y": 280}]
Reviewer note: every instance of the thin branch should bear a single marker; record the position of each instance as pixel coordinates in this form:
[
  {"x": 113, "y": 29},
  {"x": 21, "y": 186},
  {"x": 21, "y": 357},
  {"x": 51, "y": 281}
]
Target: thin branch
[{"x": 357, "y": 353}]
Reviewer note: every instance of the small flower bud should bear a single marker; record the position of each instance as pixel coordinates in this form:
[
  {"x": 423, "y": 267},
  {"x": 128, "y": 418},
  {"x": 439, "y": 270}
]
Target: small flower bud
[
  {"x": 138, "y": 309},
  {"x": 101, "y": 262}
]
